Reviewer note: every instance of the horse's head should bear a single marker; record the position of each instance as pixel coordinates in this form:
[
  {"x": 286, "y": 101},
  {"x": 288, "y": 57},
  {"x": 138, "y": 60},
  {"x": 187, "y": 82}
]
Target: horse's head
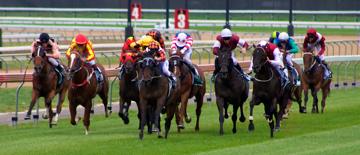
[
  {"x": 148, "y": 68},
  {"x": 76, "y": 63},
  {"x": 176, "y": 63},
  {"x": 309, "y": 61},
  {"x": 225, "y": 61},
  {"x": 259, "y": 59},
  {"x": 129, "y": 60},
  {"x": 39, "y": 57}
]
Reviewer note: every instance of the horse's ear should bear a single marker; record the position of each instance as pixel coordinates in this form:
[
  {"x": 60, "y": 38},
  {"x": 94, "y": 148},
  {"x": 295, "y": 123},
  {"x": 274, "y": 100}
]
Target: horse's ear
[{"x": 254, "y": 46}]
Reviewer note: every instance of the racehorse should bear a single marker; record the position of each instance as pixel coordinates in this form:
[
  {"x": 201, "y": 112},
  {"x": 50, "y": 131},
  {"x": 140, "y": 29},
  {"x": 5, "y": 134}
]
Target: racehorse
[
  {"x": 267, "y": 89},
  {"x": 153, "y": 92},
  {"x": 128, "y": 85},
  {"x": 297, "y": 90},
  {"x": 84, "y": 87},
  {"x": 230, "y": 87},
  {"x": 45, "y": 84},
  {"x": 313, "y": 79},
  {"x": 187, "y": 89}
]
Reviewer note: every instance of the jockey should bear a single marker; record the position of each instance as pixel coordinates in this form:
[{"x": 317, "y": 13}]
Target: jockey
[
  {"x": 289, "y": 47},
  {"x": 159, "y": 55},
  {"x": 84, "y": 46},
  {"x": 52, "y": 51},
  {"x": 227, "y": 39},
  {"x": 314, "y": 41},
  {"x": 183, "y": 42},
  {"x": 126, "y": 48},
  {"x": 275, "y": 58},
  {"x": 156, "y": 35},
  {"x": 274, "y": 36},
  {"x": 143, "y": 43}
]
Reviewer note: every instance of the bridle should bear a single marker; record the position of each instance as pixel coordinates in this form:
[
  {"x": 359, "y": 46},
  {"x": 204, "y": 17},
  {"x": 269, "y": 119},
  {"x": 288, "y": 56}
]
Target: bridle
[
  {"x": 262, "y": 65},
  {"x": 88, "y": 75}
]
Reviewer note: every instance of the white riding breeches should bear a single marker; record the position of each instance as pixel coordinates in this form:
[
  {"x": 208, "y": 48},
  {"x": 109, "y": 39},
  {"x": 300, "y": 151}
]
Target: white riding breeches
[
  {"x": 289, "y": 59},
  {"x": 53, "y": 61},
  {"x": 165, "y": 67}
]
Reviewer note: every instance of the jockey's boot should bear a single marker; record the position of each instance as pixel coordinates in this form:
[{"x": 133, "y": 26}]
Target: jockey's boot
[
  {"x": 284, "y": 79},
  {"x": 98, "y": 72},
  {"x": 197, "y": 79},
  {"x": 121, "y": 72},
  {"x": 216, "y": 70},
  {"x": 173, "y": 80},
  {"x": 246, "y": 76},
  {"x": 328, "y": 69}
]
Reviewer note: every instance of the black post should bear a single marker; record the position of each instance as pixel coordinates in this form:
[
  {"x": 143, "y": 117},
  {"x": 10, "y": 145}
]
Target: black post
[
  {"x": 290, "y": 26},
  {"x": 129, "y": 30},
  {"x": 167, "y": 13},
  {"x": 186, "y": 4},
  {"x": 227, "y": 23}
]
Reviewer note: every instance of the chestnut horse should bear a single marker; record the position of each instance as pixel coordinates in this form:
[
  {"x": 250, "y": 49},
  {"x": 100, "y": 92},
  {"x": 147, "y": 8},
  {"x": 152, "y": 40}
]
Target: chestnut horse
[
  {"x": 153, "y": 92},
  {"x": 297, "y": 90},
  {"x": 45, "y": 85},
  {"x": 84, "y": 87},
  {"x": 313, "y": 79},
  {"x": 187, "y": 90},
  {"x": 267, "y": 90},
  {"x": 230, "y": 87}
]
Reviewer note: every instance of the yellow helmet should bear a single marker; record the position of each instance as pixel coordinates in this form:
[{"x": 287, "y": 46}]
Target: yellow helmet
[{"x": 146, "y": 41}]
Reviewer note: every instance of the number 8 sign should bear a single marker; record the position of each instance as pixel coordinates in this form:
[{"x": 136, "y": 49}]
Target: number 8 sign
[{"x": 181, "y": 17}]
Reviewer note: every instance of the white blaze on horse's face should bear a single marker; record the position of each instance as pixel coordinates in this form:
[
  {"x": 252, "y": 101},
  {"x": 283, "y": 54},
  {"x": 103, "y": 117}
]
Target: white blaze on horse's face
[{"x": 72, "y": 58}]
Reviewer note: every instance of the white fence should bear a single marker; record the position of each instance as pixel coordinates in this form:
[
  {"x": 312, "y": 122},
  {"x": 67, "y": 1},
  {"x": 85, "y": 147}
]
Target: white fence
[
  {"x": 309, "y": 12},
  {"x": 159, "y": 22}
]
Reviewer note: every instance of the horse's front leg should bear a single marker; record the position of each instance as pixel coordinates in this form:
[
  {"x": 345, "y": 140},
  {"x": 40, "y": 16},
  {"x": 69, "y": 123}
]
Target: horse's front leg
[
  {"x": 315, "y": 100},
  {"x": 143, "y": 110},
  {"x": 160, "y": 104},
  {"x": 306, "y": 96},
  {"x": 220, "y": 105},
  {"x": 48, "y": 101},
  {"x": 34, "y": 98},
  {"x": 86, "y": 120},
  {"x": 253, "y": 102}
]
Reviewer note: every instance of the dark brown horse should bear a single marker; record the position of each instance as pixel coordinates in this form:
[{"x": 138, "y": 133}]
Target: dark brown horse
[
  {"x": 45, "y": 85},
  {"x": 153, "y": 92},
  {"x": 267, "y": 89},
  {"x": 230, "y": 88},
  {"x": 129, "y": 90},
  {"x": 313, "y": 79},
  {"x": 84, "y": 87},
  {"x": 187, "y": 90}
]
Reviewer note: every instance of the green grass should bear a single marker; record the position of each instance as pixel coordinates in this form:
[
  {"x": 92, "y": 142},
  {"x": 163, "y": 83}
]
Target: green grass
[{"x": 337, "y": 131}]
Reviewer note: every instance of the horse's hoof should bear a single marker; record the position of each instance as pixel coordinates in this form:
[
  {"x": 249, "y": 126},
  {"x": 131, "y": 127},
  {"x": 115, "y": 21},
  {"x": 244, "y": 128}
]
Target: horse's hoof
[
  {"x": 221, "y": 133},
  {"x": 181, "y": 126},
  {"x": 313, "y": 111},
  {"x": 234, "y": 130},
  {"x": 251, "y": 127},
  {"x": 302, "y": 110},
  {"x": 188, "y": 119},
  {"x": 27, "y": 117},
  {"x": 141, "y": 136},
  {"x": 242, "y": 119},
  {"x": 197, "y": 129},
  {"x": 285, "y": 116},
  {"x": 163, "y": 110},
  {"x": 277, "y": 129},
  {"x": 226, "y": 116},
  {"x": 50, "y": 125},
  {"x": 92, "y": 111},
  {"x": 126, "y": 120},
  {"x": 44, "y": 116}
]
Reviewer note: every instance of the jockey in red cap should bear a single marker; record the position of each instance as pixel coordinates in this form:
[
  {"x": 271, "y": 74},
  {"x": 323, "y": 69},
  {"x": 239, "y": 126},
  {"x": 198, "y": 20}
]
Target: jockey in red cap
[
  {"x": 315, "y": 42},
  {"x": 84, "y": 46}
]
